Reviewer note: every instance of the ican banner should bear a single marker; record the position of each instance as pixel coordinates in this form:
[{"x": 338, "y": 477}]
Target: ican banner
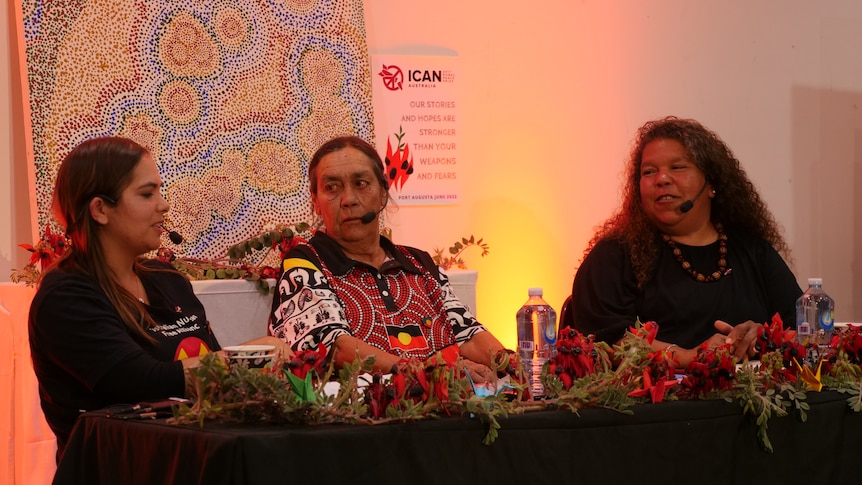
[{"x": 416, "y": 126}]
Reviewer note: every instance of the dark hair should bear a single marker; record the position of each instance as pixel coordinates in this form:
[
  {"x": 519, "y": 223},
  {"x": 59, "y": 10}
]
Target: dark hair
[
  {"x": 99, "y": 167},
  {"x": 341, "y": 143},
  {"x": 737, "y": 204}
]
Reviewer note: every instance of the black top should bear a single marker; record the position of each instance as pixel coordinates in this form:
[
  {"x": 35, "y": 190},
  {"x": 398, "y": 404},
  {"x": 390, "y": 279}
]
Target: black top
[
  {"x": 85, "y": 358},
  {"x": 606, "y": 301}
]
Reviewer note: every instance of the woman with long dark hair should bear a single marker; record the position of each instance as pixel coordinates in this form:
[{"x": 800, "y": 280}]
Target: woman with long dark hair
[{"x": 106, "y": 325}]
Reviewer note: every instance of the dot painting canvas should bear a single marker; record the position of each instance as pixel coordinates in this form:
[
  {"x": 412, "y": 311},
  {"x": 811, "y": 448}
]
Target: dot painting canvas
[{"x": 231, "y": 98}]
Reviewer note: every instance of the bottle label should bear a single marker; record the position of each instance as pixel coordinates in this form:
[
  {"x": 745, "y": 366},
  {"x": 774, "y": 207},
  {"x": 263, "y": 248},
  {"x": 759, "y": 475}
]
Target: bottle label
[
  {"x": 826, "y": 321},
  {"x": 549, "y": 334},
  {"x": 525, "y": 345}
]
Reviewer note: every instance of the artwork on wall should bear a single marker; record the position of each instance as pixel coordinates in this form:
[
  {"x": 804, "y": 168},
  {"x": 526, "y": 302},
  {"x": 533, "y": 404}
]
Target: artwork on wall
[{"x": 231, "y": 98}]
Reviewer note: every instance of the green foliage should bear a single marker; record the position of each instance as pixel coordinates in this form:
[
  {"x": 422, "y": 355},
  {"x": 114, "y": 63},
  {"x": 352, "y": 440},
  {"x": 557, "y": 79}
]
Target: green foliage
[
  {"x": 254, "y": 259},
  {"x": 760, "y": 396},
  {"x": 28, "y": 275},
  {"x": 249, "y": 395},
  {"x": 237, "y": 393},
  {"x": 456, "y": 250}
]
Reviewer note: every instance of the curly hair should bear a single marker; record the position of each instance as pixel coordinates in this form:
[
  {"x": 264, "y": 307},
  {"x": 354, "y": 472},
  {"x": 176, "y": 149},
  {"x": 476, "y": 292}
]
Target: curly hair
[{"x": 737, "y": 204}]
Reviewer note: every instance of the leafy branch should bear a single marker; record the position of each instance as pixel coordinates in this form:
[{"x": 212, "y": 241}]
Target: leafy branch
[
  {"x": 583, "y": 374},
  {"x": 255, "y": 259},
  {"x": 760, "y": 397},
  {"x": 455, "y": 252}
]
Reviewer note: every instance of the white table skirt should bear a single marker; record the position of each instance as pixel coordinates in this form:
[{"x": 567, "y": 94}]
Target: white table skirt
[{"x": 236, "y": 310}]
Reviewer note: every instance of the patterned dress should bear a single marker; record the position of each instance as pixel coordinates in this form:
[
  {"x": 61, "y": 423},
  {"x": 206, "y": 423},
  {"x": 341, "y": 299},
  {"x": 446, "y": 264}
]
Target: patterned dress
[{"x": 407, "y": 308}]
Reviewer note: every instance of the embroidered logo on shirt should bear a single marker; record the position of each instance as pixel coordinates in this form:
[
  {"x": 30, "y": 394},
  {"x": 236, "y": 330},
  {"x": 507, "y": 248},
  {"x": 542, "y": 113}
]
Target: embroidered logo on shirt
[
  {"x": 191, "y": 347},
  {"x": 408, "y": 337}
]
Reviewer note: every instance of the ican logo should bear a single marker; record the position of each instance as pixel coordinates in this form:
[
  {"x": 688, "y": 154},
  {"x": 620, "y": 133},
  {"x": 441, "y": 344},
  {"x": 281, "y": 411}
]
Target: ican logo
[{"x": 394, "y": 78}]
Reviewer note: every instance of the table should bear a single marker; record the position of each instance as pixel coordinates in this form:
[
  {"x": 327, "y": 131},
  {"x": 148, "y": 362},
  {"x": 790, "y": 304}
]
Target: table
[{"x": 673, "y": 442}]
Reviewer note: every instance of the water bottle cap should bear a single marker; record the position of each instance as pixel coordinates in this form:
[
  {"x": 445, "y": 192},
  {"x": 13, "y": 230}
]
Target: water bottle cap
[
  {"x": 815, "y": 281},
  {"x": 534, "y": 292}
]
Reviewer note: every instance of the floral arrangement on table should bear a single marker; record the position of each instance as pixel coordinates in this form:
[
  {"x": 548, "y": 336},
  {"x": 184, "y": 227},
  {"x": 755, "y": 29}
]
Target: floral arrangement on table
[
  {"x": 582, "y": 374},
  {"x": 255, "y": 259}
]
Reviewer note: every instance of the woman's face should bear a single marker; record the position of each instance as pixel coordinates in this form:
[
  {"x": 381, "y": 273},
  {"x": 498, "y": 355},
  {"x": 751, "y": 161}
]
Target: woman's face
[
  {"x": 347, "y": 189},
  {"x": 669, "y": 177},
  {"x": 136, "y": 220}
]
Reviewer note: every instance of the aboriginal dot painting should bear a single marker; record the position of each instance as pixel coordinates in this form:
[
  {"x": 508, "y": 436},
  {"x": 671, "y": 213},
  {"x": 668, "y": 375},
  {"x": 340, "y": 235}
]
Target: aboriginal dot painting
[{"x": 231, "y": 98}]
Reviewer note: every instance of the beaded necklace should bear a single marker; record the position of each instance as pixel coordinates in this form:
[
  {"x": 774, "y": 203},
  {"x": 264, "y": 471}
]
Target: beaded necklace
[{"x": 722, "y": 270}]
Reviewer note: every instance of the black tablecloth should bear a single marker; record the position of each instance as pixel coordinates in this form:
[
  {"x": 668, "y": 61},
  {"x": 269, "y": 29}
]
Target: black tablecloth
[{"x": 667, "y": 443}]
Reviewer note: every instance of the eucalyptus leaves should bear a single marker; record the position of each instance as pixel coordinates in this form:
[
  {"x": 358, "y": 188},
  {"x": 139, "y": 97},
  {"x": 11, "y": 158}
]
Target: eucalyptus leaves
[
  {"x": 456, "y": 250},
  {"x": 255, "y": 259}
]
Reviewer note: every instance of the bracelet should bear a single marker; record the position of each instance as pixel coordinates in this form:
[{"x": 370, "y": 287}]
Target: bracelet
[{"x": 667, "y": 349}]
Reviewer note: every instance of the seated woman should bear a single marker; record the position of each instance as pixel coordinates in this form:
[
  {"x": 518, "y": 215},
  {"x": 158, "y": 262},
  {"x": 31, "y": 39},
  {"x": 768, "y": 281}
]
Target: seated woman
[
  {"x": 356, "y": 292},
  {"x": 693, "y": 248},
  {"x": 106, "y": 326}
]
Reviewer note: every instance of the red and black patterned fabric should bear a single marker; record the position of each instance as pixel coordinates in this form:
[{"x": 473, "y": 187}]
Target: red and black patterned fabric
[{"x": 406, "y": 308}]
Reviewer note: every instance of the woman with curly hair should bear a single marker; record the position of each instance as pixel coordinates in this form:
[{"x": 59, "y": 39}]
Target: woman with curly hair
[{"x": 693, "y": 248}]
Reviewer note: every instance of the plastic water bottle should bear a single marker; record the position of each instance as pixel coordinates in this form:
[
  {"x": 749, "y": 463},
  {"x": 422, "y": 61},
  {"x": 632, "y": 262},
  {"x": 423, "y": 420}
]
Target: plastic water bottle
[
  {"x": 537, "y": 337},
  {"x": 815, "y": 317}
]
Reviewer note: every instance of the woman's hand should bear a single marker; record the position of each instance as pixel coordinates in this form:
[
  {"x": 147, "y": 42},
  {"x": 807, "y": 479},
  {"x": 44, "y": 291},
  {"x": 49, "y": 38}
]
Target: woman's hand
[
  {"x": 686, "y": 356},
  {"x": 481, "y": 348},
  {"x": 741, "y": 338},
  {"x": 480, "y": 373}
]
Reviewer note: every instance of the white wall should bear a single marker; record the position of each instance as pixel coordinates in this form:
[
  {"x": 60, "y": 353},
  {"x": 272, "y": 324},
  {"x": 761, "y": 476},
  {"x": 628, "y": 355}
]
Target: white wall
[
  {"x": 14, "y": 204},
  {"x": 552, "y": 93}
]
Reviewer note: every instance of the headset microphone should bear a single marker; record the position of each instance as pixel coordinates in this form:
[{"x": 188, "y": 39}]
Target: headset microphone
[
  {"x": 369, "y": 216},
  {"x": 175, "y": 237},
  {"x": 689, "y": 204}
]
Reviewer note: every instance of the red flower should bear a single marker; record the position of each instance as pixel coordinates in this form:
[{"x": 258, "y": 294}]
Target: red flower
[
  {"x": 711, "y": 370},
  {"x": 308, "y": 360},
  {"x": 772, "y": 337},
  {"x": 47, "y": 250},
  {"x": 399, "y": 162},
  {"x": 165, "y": 255},
  {"x": 849, "y": 340},
  {"x": 576, "y": 357},
  {"x": 411, "y": 381},
  {"x": 654, "y": 391},
  {"x": 648, "y": 331},
  {"x": 286, "y": 244},
  {"x": 268, "y": 272}
]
